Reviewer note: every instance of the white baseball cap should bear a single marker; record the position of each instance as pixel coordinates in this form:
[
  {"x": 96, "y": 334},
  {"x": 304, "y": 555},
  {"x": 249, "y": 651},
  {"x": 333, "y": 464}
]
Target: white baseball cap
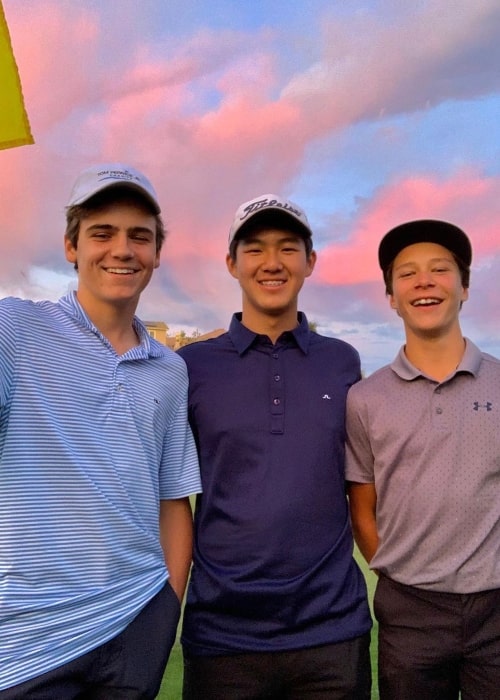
[
  {"x": 257, "y": 208},
  {"x": 101, "y": 177}
]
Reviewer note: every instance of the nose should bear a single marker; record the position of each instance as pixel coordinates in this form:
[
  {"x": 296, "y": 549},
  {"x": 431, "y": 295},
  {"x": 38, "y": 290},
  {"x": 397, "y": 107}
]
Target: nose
[
  {"x": 424, "y": 279},
  {"x": 121, "y": 246},
  {"x": 272, "y": 262}
]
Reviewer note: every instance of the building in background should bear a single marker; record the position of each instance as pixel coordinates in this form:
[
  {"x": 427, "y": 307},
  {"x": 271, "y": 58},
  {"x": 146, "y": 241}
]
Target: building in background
[{"x": 159, "y": 331}]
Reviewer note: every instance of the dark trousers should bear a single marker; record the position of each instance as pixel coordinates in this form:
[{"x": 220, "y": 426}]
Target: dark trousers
[
  {"x": 335, "y": 671},
  {"x": 128, "y": 667},
  {"x": 434, "y": 645}
]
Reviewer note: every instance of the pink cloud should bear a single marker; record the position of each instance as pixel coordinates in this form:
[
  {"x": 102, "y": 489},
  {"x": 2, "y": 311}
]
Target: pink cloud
[
  {"x": 57, "y": 57},
  {"x": 470, "y": 200}
]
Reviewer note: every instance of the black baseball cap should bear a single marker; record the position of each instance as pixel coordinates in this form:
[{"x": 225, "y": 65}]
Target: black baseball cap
[{"x": 424, "y": 231}]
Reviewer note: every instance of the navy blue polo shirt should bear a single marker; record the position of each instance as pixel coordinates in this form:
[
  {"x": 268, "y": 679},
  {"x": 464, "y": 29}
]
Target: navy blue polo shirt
[{"x": 273, "y": 567}]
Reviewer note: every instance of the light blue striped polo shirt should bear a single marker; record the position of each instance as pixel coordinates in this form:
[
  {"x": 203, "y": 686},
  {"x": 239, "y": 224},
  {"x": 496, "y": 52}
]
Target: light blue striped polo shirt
[{"x": 90, "y": 441}]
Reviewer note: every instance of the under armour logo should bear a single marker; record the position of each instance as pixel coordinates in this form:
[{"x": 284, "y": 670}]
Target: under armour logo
[
  {"x": 327, "y": 397},
  {"x": 488, "y": 405}
]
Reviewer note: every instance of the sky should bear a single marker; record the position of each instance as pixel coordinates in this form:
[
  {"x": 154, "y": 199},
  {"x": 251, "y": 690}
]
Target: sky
[{"x": 365, "y": 113}]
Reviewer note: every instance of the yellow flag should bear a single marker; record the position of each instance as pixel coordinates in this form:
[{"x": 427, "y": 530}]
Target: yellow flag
[{"x": 14, "y": 125}]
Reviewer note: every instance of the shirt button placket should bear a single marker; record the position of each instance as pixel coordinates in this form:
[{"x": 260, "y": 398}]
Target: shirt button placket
[
  {"x": 276, "y": 394},
  {"x": 439, "y": 417}
]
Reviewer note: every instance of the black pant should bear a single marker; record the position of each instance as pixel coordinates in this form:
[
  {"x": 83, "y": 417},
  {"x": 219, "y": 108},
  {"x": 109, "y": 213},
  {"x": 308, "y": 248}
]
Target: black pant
[
  {"x": 335, "y": 672},
  {"x": 433, "y": 645},
  {"x": 128, "y": 667}
]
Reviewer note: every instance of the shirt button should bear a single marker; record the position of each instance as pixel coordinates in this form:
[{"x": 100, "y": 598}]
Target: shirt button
[
  {"x": 439, "y": 411},
  {"x": 438, "y": 391},
  {"x": 276, "y": 402},
  {"x": 275, "y": 355},
  {"x": 277, "y": 377}
]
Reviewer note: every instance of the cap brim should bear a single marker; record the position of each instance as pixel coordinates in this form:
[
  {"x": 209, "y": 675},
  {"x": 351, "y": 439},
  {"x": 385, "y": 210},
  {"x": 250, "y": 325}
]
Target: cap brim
[
  {"x": 272, "y": 217},
  {"x": 424, "y": 230},
  {"x": 121, "y": 185}
]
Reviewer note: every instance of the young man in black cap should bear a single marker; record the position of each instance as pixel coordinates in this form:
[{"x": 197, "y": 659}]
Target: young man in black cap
[
  {"x": 423, "y": 462},
  {"x": 276, "y": 605}
]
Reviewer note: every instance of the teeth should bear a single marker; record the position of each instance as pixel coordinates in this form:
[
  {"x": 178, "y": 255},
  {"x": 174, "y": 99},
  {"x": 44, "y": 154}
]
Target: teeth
[
  {"x": 120, "y": 270},
  {"x": 426, "y": 302},
  {"x": 272, "y": 283}
]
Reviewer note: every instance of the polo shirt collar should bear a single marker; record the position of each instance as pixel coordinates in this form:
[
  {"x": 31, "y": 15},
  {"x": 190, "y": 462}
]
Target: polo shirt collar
[
  {"x": 242, "y": 337},
  {"x": 72, "y": 307},
  {"x": 469, "y": 363}
]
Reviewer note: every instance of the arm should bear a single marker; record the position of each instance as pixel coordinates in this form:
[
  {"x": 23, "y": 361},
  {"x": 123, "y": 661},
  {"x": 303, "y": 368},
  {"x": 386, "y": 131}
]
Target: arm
[
  {"x": 176, "y": 537},
  {"x": 362, "y": 504}
]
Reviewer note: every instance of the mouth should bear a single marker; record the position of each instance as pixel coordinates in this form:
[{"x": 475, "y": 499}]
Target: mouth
[
  {"x": 426, "y": 301},
  {"x": 272, "y": 283},
  {"x": 120, "y": 270}
]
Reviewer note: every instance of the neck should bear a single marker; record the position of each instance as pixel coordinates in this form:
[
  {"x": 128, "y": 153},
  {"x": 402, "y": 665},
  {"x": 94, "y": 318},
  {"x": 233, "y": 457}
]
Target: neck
[
  {"x": 114, "y": 322},
  {"x": 272, "y": 326},
  {"x": 438, "y": 357}
]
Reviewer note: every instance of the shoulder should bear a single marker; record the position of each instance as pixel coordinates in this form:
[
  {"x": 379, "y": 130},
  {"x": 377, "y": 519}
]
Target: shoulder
[
  {"x": 163, "y": 350},
  {"x": 488, "y": 374},
  {"x": 23, "y": 308},
  {"x": 374, "y": 386},
  {"x": 201, "y": 349},
  {"x": 14, "y": 303},
  {"x": 333, "y": 346},
  {"x": 172, "y": 364},
  {"x": 490, "y": 361}
]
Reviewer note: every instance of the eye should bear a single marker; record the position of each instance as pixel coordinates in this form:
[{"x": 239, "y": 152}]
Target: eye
[{"x": 404, "y": 275}]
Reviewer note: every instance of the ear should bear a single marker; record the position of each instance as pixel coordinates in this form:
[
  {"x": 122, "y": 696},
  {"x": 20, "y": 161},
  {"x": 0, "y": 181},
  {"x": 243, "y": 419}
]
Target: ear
[
  {"x": 69, "y": 250},
  {"x": 311, "y": 262},
  {"x": 392, "y": 302},
  {"x": 231, "y": 266},
  {"x": 465, "y": 294},
  {"x": 157, "y": 259}
]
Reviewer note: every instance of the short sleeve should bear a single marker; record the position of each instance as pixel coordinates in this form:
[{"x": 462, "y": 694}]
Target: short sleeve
[{"x": 359, "y": 455}]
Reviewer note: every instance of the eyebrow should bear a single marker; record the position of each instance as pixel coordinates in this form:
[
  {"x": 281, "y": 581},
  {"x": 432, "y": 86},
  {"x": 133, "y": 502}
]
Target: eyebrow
[
  {"x": 110, "y": 227},
  {"x": 432, "y": 261},
  {"x": 286, "y": 238}
]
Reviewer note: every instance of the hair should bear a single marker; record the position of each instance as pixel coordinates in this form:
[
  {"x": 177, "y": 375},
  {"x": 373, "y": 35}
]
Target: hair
[
  {"x": 267, "y": 220},
  {"x": 462, "y": 267},
  {"x": 111, "y": 195}
]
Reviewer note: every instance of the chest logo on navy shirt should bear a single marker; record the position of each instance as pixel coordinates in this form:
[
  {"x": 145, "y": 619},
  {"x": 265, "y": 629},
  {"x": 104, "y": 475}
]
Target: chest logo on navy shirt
[
  {"x": 327, "y": 397},
  {"x": 488, "y": 406}
]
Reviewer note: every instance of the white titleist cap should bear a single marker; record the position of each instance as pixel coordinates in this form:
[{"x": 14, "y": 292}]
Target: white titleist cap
[
  {"x": 101, "y": 177},
  {"x": 260, "y": 207}
]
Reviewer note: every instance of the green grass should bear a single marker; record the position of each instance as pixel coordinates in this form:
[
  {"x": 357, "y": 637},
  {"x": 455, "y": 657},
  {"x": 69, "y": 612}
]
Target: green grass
[{"x": 172, "y": 680}]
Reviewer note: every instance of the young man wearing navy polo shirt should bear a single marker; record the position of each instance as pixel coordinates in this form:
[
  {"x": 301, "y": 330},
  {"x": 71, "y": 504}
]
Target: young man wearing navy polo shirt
[
  {"x": 276, "y": 605},
  {"x": 96, "y": 464},
  {"x": 423, "y": 459}
]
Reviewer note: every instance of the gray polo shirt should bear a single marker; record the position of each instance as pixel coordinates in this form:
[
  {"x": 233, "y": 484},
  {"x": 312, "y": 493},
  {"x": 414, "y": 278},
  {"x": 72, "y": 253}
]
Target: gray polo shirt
[{"x": 432, "y": 449}]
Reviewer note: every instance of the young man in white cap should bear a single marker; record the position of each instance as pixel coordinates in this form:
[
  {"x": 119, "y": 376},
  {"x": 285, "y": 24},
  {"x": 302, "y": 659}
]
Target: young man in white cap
[
  {"x": 423, "y": 462},
  {"x": 276, "y": 605},
  {"x": 96, "y": 464}
]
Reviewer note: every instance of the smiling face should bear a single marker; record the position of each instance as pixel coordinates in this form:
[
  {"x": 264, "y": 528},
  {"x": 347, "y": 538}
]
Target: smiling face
[
  {"x": 427, "y": 290},
  {"x": 116, "y": 255},
  {"x": 271, "y": 266}
]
